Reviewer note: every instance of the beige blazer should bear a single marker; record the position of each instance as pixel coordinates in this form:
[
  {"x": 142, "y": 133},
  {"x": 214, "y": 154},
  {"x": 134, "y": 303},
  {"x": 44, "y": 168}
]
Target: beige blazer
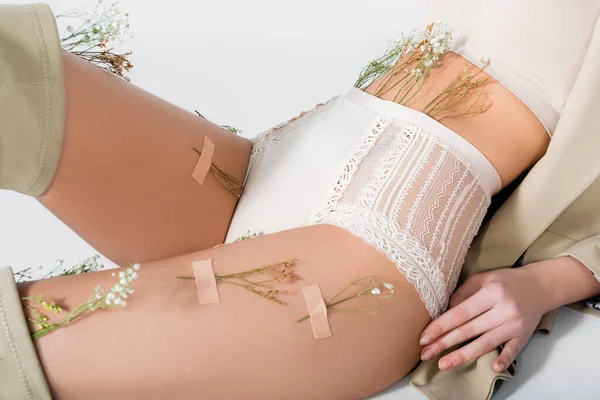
[{"x": 555, "y": 211}]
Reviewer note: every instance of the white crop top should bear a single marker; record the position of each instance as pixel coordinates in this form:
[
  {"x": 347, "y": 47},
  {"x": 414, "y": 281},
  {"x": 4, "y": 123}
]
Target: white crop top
[{"x": 536, "y": 47}]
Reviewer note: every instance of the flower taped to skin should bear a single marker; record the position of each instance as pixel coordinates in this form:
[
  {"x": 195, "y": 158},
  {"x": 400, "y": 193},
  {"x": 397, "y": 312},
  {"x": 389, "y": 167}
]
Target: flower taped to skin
[
  {"x": 262, "y": 280},
  {"x": 115, "y": 297},
  {"x": 368, "y": 287},
  {"x": 228, "y": 182}
]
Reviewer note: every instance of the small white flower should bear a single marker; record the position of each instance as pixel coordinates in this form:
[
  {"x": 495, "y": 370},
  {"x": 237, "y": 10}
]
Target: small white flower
[
  {"x": 375, "y": 291},
  {"x": 98, "y": 296},
  {"x": 117, "y": 288},
  {"x": 388, "y": 285},
  {"x": 124, "y": 295},
  {"x": 110, "y": 296},
  {"x": 108, "y": 302},
  {"x": 121, "y": 274},
  {"x": 129, "y": 279},
  {"x": 134, "y": 275},
  {"x": 118, "y": 301},
  {"x": 136, "y": 267},
  {"x": 123, "y": 282}
]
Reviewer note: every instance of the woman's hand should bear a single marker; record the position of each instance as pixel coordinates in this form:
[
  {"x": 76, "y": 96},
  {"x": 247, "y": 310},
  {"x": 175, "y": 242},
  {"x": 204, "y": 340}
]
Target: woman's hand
[{"x": 504, "y": 307}]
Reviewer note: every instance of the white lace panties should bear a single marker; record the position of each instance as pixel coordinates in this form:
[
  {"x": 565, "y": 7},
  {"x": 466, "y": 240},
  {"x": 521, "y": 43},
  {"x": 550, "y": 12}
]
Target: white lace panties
[{"x": 390, "y": 175}]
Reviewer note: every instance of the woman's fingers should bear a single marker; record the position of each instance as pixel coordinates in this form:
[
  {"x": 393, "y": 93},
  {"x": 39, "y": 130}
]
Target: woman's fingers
[
  {"x": 466, "y": 290},
  {"x": 483, "y": 323},
  {"x": 510, "y": 351},
  {"x": 477, "y": 348},
  {"x": 457, "y": 316}
]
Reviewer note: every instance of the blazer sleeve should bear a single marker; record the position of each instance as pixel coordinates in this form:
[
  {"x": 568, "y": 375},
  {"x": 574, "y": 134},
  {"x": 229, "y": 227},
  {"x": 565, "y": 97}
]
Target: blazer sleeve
[
  {"x": 588, "y": 252},
  {"x": 477, "y": 380},
  {"x": 21, "y": 374}
]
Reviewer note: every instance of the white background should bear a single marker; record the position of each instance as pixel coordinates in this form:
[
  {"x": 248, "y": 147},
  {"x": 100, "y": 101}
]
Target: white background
[
  {"x": 249, "y": 64},
  {"x": 253, "y": 64}
]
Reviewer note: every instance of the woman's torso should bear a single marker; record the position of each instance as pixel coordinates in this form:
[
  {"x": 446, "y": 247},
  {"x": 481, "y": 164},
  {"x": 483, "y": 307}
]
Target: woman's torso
[{"x": 535, "y": 49}]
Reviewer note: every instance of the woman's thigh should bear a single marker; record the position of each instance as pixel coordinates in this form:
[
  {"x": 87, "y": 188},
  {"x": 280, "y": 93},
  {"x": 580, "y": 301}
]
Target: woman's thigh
[
  {"x": 164, "y": 344},
  {"x": 124, "y": 180}
]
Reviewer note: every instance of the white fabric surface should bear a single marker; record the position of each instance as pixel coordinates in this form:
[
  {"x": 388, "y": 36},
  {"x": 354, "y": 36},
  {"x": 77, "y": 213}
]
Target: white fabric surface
[
  {"x": 536, "y": 47},
  {"x": 558, "y": 366},
  {"x": 295, "y": 165}
]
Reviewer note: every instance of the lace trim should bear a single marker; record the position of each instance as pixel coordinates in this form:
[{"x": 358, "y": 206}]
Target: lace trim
[
  {"x": 449, "y": 230},
  {"x": 369, "y": 193},
  {"x": 273, "y": 135},
  {"x": 405, "y": 251},
  {"x": 468, "y": 234},
  {"x": 420, "y": 131},
  {"x": 352, "y": 163},
  {"x": 406, "y": 188},
  {"x": 457, "y": 187},
  {"x": 430, "y": 177}
]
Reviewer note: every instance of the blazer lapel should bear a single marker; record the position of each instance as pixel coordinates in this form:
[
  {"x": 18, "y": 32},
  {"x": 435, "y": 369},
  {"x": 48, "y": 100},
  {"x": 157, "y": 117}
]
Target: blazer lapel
[{"x": 570, "y": 165}]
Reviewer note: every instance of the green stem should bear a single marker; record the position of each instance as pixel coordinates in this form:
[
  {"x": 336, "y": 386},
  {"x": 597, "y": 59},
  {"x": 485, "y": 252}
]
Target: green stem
[
  {"x": 407, "y": 92},
  {"x": 330, "y": 305}
]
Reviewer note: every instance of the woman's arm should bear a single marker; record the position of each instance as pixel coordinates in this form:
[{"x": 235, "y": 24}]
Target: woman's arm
[{"x": 505, "y": 306}]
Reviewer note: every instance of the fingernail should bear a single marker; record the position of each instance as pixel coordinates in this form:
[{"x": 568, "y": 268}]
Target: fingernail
[
  {"x": 499, "y": 366},
  {"x": 426, "y": 338},
  {"x": 446, "y": 364},
  {"x": 427, "y": 354}
]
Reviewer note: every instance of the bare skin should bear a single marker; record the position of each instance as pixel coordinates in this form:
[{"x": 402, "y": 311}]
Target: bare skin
[
  {"x": 508, "y": 134},
  {"x": 124, "y": 180},
  {"x": 164, "y": 344},
  {"x": 138, "y": 203}
]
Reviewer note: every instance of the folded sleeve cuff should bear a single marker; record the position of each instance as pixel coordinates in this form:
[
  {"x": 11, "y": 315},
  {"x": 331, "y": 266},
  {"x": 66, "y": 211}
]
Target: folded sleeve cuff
[
  {"x": 587, "y": 252},
  {"x": 474, "y": 380},
  {"x": 32, "y": 98},
  {"x": 21, "y": 375}
]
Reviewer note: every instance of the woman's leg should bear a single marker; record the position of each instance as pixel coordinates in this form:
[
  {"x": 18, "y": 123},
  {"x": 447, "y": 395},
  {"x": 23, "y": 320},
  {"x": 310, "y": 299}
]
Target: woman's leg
[
  {"x": 124, "y": 180},
  {"x": 164, "y": 344}
]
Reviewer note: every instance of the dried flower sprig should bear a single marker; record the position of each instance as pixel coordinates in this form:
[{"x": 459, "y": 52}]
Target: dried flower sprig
[
  {"x": 228, "y": 128},
  {"x": 230, "y": 183},
  {"x": 100, "y": 299},
  {"x": 421, "y": 54},
  {"x": 105, "y": 58},
  {"x": 90, "y": 33},
  {"x": 249, "y": 235},
  {"x": 90, "y": 264},
  {"x": 407, "y": 62},
  {"x": 465, "y": 86},
  {"x": 366, "y": 286},
  {"x": 406, "y": 65},
  {"x": 268, "y": 275}
]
